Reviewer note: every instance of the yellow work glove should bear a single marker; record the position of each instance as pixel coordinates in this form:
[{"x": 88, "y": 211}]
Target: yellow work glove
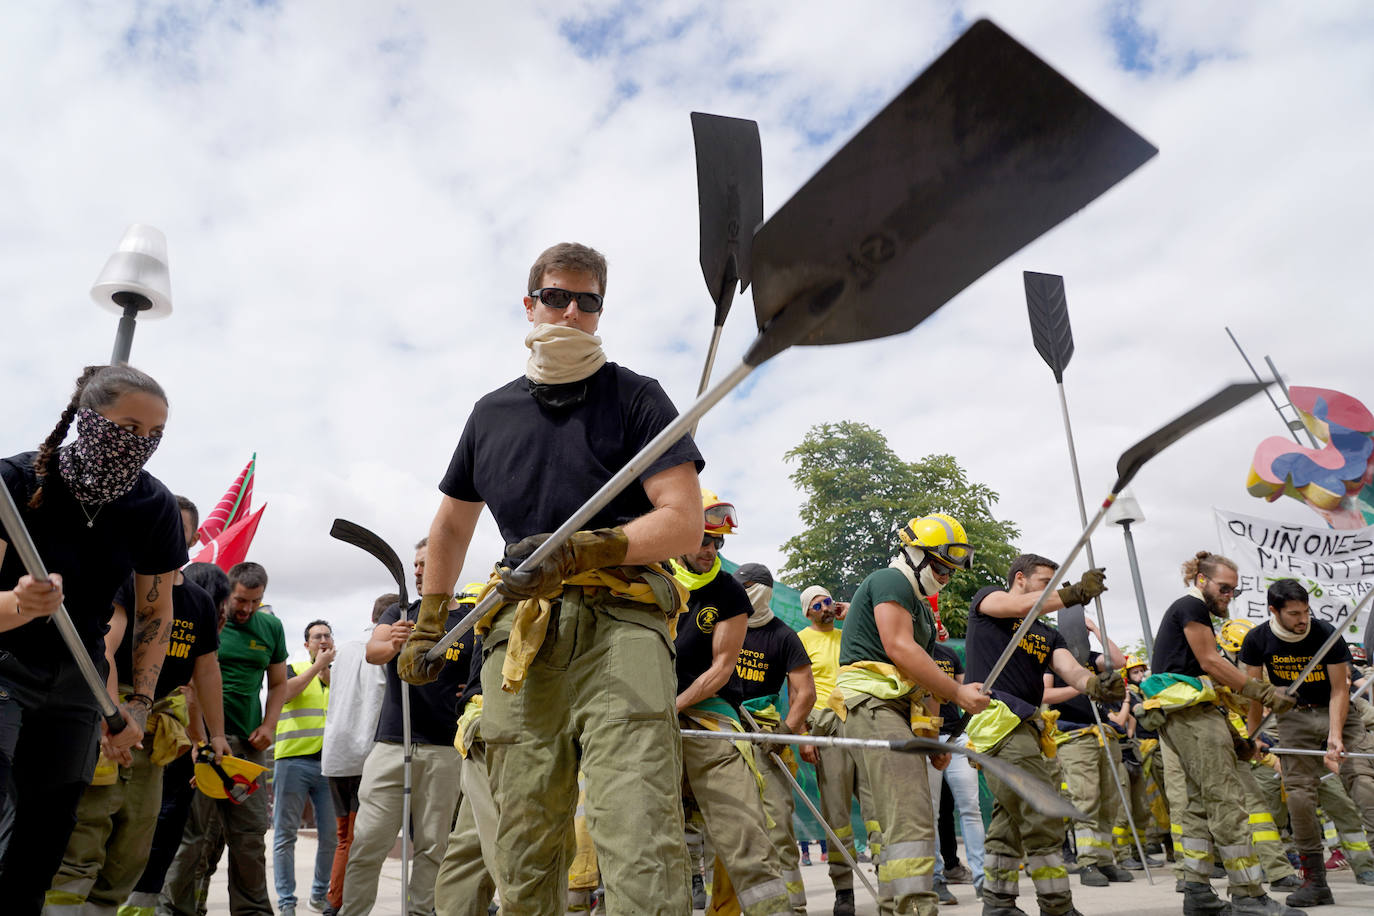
[
  {"x": 583, "y": 552},
  {"x": 1085, "y": 589},
  {"x": 430, "y": 627},
  {"x": 1268, "y": 695}
]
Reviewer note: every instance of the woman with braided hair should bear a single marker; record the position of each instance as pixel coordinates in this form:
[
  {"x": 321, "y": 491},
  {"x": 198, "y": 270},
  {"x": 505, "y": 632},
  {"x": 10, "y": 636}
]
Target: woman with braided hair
[{"x": 95, "y": 516}]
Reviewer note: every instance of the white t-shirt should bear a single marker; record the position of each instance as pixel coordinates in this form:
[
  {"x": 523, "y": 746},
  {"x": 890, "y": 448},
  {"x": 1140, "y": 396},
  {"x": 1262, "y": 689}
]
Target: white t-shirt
[{"x": 356, "y": 689}]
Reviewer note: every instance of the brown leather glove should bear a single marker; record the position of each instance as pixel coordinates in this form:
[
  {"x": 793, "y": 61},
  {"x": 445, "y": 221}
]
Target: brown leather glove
[
  {"x": 583, "y": 552},
  {"x": 1107, "y": 687},
  {"x": 430, "y": 627},
  {"x": 1267, "y": 694},
  {"x": 1085, "y": 589}
]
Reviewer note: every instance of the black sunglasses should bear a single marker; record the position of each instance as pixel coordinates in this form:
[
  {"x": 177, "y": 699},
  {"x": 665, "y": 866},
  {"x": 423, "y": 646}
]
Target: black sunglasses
[
  {"x": 716, "y": 539},
  {"x": 556, "y": 298}
]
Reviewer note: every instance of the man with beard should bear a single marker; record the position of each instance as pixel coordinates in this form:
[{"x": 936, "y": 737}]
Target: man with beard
[
  {"x": 723, "y": 779},
  {"x": 1198, "y": 741},
  {"x": 839, "y": 770},
  {"x": 772, "y": 656},
  {"x": 889, "y": 688},
  {"x": 1283, "y": 646},
  {"x": 252, "y": 645},
  {"x": 1012, "y": 730}
]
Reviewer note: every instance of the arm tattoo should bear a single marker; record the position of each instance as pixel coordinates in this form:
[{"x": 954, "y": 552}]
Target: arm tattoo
[
  {"x": 153, "y": 592},
  {"x": 149, "y": 636}
]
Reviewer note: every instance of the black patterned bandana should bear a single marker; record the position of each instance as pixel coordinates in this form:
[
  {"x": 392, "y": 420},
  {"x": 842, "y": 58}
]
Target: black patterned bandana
[{"x": 103, "y": 463}]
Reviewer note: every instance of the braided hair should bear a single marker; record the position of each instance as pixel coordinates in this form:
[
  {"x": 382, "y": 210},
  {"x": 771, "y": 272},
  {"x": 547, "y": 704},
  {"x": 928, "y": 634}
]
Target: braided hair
[{"x": 96, "y": 387}]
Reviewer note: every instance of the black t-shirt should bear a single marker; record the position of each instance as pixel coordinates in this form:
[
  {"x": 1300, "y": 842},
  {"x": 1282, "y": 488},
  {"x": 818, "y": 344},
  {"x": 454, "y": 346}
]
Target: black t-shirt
[
  {"x": 949, "y": 663},
  {"x": 769, "y": 653},
  {"x": 195, "y": 633},
  {"x": 1077, "y": 711},
  {"x": 1173, "y": 655},
  {"x": 1022, "y": 680},
  {"x": 139, "y": 532},
  {"x": 1285, "y": 660},
  {"x": 720, "y": 599},
  {"x": 434, "y": 708},
  {"x": 474, "y": 684},
  {"x": 534, "y": 466}
]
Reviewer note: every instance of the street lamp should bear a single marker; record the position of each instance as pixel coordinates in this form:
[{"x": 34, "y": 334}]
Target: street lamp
[
  {"x": 1123, "y": 512},
  {"x": 135, "y": 279}
]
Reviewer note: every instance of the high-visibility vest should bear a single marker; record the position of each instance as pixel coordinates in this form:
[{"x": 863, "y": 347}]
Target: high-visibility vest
[{"x": 300, "y": 730}]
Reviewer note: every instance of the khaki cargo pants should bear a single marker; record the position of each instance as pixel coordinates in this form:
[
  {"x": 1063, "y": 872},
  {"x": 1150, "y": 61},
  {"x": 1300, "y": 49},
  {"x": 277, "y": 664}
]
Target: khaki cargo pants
[
  {"x": 1307, "y": 727},
  {"x": 599, "y": 696},
  {"x": 840, "y": 777},
  {"x": 1088, "y": 770}
]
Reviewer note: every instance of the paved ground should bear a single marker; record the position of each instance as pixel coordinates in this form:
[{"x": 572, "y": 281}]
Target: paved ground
[{"x": 1135, "y": 899}]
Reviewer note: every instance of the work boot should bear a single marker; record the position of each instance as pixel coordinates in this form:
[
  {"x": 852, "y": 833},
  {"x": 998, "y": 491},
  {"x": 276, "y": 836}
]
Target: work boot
[
  {"x": 1092, "y": 876},
  {"x": 1071, "y": 911},
  {"x": 1002, "y": 909},
  {"x": 1286, "y": 883},
  {"x": 1263, "y": 905},
  {"x": 959, "y": 874},
  {"x": 1314, "y": 890},
  {"x": 1115, "y": 873},
  {"x": 1200, "y": 900},
  {"x": 942, "y": 892},
  {"x": 699, "y": 893},
  {"x": 1154, "y": 849},
  {"x": 1365, "y": 877},
  {"x": 844, "y": 901},
  {"x": 1217, "y": 870}
]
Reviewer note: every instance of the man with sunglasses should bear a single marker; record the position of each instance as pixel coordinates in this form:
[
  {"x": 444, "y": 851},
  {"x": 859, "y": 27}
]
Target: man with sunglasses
[
  {"x": 724, "y": 782},
  {"x": 577, "y": 663},
  {"x": 1209, "y": 803},
  {"x": 888, "y": 688}
]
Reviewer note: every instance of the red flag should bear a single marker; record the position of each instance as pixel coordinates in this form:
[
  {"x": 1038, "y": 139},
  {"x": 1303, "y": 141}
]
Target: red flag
[
  {"x": 231, "y": 547},
  {"x": 233, "y": 506}
]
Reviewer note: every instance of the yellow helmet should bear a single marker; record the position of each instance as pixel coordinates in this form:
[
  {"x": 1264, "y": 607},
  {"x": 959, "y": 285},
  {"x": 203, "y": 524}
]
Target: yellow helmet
[
  {"x": 1233, "y": 633},
  {"x": 721, "y": 517},
  {"x": 940, "y": 536},
  {"x": 470, "y": 592},
  {"x": 1133, "y": 661}
]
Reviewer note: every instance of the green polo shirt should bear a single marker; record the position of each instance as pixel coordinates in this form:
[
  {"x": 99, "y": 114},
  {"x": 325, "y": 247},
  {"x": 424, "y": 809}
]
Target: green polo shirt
[{"x": 245, "y": 652}]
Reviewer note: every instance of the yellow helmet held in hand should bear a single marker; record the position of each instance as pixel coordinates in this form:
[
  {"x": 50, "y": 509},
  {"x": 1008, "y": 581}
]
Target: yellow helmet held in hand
[
  {"x": 940, "y": 536},
  {"x": 721, "y": 517},
  {"x": 1233, "y": 633}
]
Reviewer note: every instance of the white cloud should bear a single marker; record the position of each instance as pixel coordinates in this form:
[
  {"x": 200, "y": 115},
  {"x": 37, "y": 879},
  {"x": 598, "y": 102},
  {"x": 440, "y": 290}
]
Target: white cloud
[{"x": 353, "y": 192}]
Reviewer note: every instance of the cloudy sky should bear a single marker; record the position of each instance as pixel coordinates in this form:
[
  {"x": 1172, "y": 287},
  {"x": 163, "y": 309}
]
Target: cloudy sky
[{"x": 353, "y": 193}]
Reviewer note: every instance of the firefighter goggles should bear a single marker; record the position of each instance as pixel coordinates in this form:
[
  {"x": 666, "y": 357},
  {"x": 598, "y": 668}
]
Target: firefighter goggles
[
  {"x": 721, "y": 515},
  {"x": 556, "y": 298},
  {"x": 955, "y": 556}
]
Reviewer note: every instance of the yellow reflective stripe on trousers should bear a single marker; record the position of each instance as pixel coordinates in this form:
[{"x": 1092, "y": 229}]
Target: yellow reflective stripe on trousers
[
  {"x": 1001, "y": 874},
  {"x": 796, "y": 888},
  {"x": 908, "y": 868},
  {"x": 140, "y": 903},
  {"x": 1049, "y": 873},
  {"x": 1197, "y": 855},
  {"x": 766, "y": 899},
  {"x": 1241, "y": 864},
  {"x": 1263, "y": 829}
]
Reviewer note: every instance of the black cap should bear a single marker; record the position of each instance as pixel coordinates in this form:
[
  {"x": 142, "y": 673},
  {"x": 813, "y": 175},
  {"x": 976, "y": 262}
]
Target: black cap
[{"x": 754, "y": 574}]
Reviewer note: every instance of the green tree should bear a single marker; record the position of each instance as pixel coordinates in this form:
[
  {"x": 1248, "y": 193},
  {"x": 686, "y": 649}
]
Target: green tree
[{"x": 859, "y": 493}]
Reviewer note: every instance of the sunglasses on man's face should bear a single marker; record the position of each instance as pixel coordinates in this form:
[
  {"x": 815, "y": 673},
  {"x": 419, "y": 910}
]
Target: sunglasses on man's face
[
  {"x": 556, "y": 298},
  {"x": 821, "y": 604},
  {"x": 716, "y": 539}
]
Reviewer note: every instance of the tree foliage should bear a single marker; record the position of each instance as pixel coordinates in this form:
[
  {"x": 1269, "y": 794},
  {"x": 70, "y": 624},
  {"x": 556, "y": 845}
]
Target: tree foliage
[{"x": 859, "y": 492}]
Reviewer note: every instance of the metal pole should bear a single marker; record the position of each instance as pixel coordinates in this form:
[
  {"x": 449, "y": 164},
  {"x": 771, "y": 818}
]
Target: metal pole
[
  {"x": 835, "y": 841},
  {"x": 1267, "y": 393},
  {"x": 1146, "y": 627},
  {"x": 1283, "y": 386},
  {"x": 1310, "y": 752},
  {"x": 133, "y": 303},
  {"x": 1106, "y": 643},
  {"x": 710, "y": 363}
]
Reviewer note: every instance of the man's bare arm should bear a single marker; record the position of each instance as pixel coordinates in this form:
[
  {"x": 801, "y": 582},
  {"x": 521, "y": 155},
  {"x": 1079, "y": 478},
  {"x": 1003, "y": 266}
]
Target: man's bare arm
[
  {"x": 449, "y": 536},
  {"x": 1203, "y": 642},
  {"x": 1005, "y": 604},
  {"x": 152, "y": 629},
  {"x": 674, "y": 526},
  {"x": 801, "y": 696},
  {"x": 726, "y": 641},
  {"x": 1070, "y": 671}
]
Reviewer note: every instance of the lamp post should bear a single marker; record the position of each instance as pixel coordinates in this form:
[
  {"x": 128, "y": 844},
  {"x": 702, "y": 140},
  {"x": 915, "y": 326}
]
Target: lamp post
[
  {"x": 1123, "y": 512},
  {"x": 135, "y": 279}
]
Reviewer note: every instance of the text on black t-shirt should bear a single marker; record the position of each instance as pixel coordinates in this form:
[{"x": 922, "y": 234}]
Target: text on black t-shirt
[
  {"x": 720, "y": 599},
  {"x": 1285, "y": 660}
]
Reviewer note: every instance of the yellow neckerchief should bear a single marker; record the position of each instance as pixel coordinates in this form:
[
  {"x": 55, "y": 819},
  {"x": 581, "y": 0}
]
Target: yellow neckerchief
[
  {"x": 691, "y": 579},
  {"x": 167, "y": 725},
  {"x": 531, "y": 622},
  {"x": 468, "y": 723},
  {"x": 884, "y": 681}
]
